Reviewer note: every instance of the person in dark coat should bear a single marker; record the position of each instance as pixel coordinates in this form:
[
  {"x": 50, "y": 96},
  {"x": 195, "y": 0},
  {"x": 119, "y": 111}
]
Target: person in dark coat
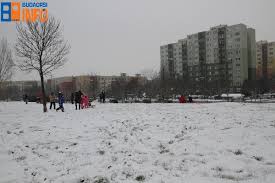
[
  {"x": 190, "y": 99},
  {"x": 60, "y": 102},
  {"x": 25, "y": 98},
  {"x": 77, "y": 99},
  {"x": 102, "y": 96}
]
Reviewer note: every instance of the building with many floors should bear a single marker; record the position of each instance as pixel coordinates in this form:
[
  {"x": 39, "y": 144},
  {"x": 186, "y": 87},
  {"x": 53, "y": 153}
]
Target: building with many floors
[
  {"x": 265, "y": 62},
  {"x": 224, "y": 55}
]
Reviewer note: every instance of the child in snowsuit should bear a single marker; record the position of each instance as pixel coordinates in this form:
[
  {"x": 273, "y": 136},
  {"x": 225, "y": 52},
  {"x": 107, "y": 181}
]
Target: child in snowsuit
[
  {"x": 60, "y": 102},
  {"x": 86, "y": 101},
  {"x": 182, "y": 99}
]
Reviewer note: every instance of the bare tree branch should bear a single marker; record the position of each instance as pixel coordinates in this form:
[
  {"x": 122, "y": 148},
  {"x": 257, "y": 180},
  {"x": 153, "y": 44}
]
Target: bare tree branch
[
  {"x": 41, "y": 47},
  {"x": 6, "y": 61}
]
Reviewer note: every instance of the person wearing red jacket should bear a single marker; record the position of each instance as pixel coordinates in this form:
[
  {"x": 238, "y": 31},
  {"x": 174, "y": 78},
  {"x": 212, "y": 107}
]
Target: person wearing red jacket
[{"x": 182, "y": 99}]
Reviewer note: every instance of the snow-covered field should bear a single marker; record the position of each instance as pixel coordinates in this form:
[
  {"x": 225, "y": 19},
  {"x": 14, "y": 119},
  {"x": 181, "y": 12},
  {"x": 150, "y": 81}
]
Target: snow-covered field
[{"x": 125, "y": 143}]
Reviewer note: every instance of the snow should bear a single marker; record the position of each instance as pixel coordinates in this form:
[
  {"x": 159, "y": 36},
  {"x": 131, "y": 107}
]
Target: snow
[{"x": 162, "y": 143}]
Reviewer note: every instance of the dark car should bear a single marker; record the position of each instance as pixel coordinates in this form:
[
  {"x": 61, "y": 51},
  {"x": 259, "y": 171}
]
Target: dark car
[
  {"x": 113, "y": 100},
  {"x": 32, "y": 99},
  {"x": 147, "y": 100}
]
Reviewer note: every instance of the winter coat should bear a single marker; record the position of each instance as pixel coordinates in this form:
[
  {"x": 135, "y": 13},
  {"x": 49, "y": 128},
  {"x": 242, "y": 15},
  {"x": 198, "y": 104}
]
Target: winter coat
[
  {"x": 61, "y": 100},
  {"x": 52, "y": 98},
  {"x": 182, "y": 99},
  {"x": 77, "y": 97},
  {"x": 190, "y": 99}
]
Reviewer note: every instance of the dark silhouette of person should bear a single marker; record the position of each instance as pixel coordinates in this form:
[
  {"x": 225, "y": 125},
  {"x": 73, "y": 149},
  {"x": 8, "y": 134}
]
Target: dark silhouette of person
[
  {"x": 25, "y": 98},
  {"x": 72, "y": 98},
  {"x": 190, "y": 99},
  {"x": 77, "y": 99},
  {"x": 102, "y": 96}
]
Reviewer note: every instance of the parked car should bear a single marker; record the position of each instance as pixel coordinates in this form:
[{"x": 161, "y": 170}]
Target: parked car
[
  {"x": 113, "y": 100},
  {"x": 147, "y": 100},
  {"x": 33, "y": 99},
  {"x": 137, "y": 100}
]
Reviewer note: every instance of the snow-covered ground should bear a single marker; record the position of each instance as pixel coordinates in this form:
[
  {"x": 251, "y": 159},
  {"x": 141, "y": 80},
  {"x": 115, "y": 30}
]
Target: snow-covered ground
[{"x": 125, "y": 143}]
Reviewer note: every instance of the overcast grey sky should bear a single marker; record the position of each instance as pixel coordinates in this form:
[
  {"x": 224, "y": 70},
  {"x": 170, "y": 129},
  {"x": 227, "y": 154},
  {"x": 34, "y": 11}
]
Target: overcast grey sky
[{"x": 113, "y": 36}]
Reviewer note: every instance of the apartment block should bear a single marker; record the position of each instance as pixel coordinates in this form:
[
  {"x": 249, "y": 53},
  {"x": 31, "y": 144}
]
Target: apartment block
[
  {"x": 168, "y": 61},
  {"x": 224, "y": 55},
  {"x": 265, "y": 68}
]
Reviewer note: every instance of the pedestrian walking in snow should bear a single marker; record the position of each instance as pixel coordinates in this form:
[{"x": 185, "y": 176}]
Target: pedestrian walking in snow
[
  {"x": 102, "y": 96},
  {"x": 77, "y": 99},
  {"x": 52, "y": 100},
  {"x": 25, "y": 98},
  {"x": 190, "y": 99},
  {"x": 60, "y": 102}
]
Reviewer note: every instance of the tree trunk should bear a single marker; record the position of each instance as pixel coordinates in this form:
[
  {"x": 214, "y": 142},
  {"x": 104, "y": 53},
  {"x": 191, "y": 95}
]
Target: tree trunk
[{"x": 44, "y": 100}]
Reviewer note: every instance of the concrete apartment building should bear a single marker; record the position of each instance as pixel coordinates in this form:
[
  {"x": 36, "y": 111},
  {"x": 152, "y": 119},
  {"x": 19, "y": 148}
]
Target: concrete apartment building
[
  {"x": 224, "y": 55},
  {"x": 265, "y": 62},
  {"x": 105, "y": 82}
]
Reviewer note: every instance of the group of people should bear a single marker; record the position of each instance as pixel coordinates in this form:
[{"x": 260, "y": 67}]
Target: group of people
[
  {"x": 102, "y": 97},
  {"x": 78, "y": 98},
  {"x": 60, "y": 99},
  {"x": 182, "y": 99},
  {"x": 81, "y": 101}
]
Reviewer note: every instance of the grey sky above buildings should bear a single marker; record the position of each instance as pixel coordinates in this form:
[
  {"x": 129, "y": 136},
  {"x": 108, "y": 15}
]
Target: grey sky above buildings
[{"x": 112, "y": 36}]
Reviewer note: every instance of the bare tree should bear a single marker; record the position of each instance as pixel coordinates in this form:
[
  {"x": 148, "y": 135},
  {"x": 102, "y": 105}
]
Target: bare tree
[
  {"x": 42, "y": 48},
  {"x": 6, "y": 61},
  {"x": 150, "y": 74}
]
